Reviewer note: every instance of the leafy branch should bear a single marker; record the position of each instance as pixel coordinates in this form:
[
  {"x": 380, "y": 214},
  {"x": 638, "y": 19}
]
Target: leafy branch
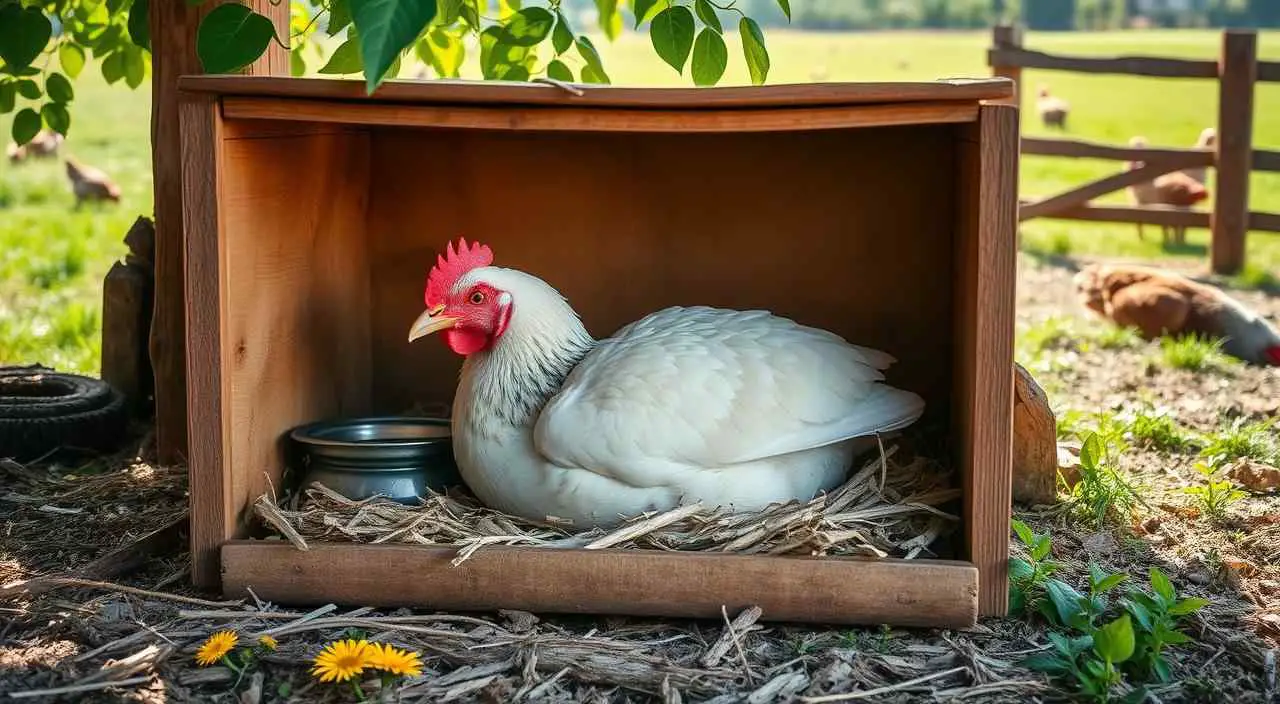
[{"x": 519, "y": 44}]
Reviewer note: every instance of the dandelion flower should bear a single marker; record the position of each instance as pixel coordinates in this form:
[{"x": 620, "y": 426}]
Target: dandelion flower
[
  {"x": 268, "y": 642},
  {"x": 390, "y": 659},
  {"x": 341, "y": 660},
  {"x": 218, "y": 645}
]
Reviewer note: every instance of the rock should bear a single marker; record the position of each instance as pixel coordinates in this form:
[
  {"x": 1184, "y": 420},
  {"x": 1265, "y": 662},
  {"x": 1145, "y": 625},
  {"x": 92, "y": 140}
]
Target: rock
[
  {"x": 1255, "y": 476},
  {"x": 1099, "y": 544},
  {"x": 1035, "y": 442}
]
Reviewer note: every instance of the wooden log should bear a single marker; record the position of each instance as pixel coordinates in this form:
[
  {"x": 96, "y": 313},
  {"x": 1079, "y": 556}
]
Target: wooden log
[
  {"x": 127, "y": 299},
  {"x": 1083, "y": 194},
  {"x": 1008, "y": 37},
  {"x": 929, "y": 593},
  {"x": 1230, "y": 223},
  {"x": 1128, "y": 65},
  {"x": 1078, "y": 148},
  {"x": 1035, "y": 442},
  {"x": 173, "y": 42}
]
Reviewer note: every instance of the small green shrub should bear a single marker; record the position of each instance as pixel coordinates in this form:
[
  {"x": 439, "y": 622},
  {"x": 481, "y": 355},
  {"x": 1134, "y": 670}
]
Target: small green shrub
[
  {"x": 1254, "y": 276},
  {"x": 1242, "y": 439},
  {"x": 1027, "y": 577},
  {"x": 1216, "y": 494},
  {"x": 1114, "y": 337},
  {"x": 1157, "y": 431},
  {"x": 1192, "y": 352},
  {"x": 1103, "y": 491}
]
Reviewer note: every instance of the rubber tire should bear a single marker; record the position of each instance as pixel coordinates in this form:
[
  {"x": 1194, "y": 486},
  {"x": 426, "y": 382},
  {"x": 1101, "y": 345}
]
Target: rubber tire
[{"x": 44, "y": 410}]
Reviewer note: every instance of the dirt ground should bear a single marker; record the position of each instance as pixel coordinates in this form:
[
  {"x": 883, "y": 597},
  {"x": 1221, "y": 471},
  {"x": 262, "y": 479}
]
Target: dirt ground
[{"x": 141, "y": 628}]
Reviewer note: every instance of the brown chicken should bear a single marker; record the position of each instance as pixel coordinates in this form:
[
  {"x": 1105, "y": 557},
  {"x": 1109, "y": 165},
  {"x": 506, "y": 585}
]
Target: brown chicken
[
  {"x": 89, "y": 183},
  {"x": 1177, "y": 189},
  {"x": 44, "y": 145},
  {"x": 1158, "y": 302}
]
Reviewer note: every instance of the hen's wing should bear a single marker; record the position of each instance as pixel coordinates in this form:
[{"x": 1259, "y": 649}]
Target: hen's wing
[
  {"x": 703, "y": 387},
  {"x": 1150, "y": 307}
]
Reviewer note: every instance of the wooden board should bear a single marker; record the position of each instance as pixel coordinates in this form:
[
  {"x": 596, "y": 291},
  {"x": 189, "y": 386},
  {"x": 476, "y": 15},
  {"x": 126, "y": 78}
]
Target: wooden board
[
  {"x": 507, "y": 93},
  {"x": 1127, "y": 65},
  {"x": 1230, "y": 190},
  {"x": 983, "y": 326},
  {"x": 836, "y": 229},
  {"x": 617, "y": 581}
]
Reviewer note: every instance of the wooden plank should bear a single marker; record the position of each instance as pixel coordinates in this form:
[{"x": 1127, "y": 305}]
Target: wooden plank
[
  {"x": 212, "y": 519},
  {"x": 1264, "y": 222},
  {"x": 983, "y": 326},
  {"x": 1083, "y": 194},
  {"x": 1008, "y": 37},
  {"x": 506, "y": 93},
  {"x": 576, "y": 119},
  {"x": 925, "y": 593},
  {"x": 1269, "y": 71},
  {"x": 1181, "y": 158},
  {"x": 173, "y": 47},
  {"x": 1230, "y": 223},
  {"x": 1128, "y": 65},
  {"x": 1265, "y": 160},
  {"x": 1147, "y": 215}
]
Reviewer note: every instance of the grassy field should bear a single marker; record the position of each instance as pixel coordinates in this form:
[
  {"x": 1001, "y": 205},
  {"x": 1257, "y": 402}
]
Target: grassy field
[{"x": 52, "y": 258}]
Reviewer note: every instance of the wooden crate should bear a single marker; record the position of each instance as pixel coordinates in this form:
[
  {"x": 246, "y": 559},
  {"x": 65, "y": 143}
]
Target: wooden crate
[{"x": 882, "y": 211}]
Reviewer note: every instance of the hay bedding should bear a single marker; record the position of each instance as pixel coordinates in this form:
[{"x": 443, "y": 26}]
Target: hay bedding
[{"x": 885, "y": 509}]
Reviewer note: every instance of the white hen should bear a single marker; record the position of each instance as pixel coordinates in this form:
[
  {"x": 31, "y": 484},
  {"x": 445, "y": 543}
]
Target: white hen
[{"x": 732, "y": 408}]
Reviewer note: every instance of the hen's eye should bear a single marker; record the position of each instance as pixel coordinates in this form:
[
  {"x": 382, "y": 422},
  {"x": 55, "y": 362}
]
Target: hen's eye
[{"x": 477, "y": 298}]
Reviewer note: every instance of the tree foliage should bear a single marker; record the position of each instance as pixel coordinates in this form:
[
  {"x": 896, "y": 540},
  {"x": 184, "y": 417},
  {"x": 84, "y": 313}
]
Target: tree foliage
[{"x": 46, "y": 44}]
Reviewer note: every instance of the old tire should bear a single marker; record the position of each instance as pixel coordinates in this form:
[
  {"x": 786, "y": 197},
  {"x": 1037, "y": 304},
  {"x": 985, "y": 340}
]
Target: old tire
[{"x": 42, "y": 410}]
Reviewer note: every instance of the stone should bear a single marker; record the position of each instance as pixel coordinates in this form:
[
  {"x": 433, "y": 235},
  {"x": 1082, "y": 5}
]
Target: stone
[
  {"x": 1035, "y": 442},
  {"x": 1255, "y": 476}
]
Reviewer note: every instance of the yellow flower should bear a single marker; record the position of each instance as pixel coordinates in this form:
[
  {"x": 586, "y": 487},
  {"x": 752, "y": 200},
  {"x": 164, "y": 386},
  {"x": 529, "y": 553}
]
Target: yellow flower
[
  {"x": 390, "y": 659},
  {"x": 341, "y": 660},
  {"x": 218, "y": 645},
  {"x": 268, "y": 642}
]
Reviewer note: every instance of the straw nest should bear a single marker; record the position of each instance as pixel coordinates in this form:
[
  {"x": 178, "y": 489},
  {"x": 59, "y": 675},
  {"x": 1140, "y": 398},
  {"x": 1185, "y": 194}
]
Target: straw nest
[{"x": 885, "y": 509}]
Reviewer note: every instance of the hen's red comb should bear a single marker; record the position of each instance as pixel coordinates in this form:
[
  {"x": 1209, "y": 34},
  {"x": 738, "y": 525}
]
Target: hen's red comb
[{"x": 452, "y": 266}]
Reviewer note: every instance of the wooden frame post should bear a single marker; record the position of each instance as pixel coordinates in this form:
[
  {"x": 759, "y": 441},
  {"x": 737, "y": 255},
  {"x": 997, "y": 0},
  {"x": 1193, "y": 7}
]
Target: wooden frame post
[
  {"x": 1238, "y": 71},
  {"x": 173, "y": 46},
  {"x": 1008, "y": 36}
]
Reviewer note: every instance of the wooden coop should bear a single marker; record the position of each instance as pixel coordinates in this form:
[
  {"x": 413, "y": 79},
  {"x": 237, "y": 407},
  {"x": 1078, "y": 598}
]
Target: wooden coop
[{"x": 885, "y": 212}]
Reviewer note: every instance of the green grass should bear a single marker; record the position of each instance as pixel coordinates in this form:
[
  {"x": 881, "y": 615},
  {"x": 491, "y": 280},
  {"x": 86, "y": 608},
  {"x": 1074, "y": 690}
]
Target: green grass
[
  {"x": 52, "y": 259},
  {"x": 1192, "y": 352},
  {"x": 1256, "y": 441}
]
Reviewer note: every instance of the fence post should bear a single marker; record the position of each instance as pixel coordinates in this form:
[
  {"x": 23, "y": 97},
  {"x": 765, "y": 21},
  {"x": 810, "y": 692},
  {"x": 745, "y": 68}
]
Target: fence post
[
  {"x": 1237, "y": 71},
  {"x": 1006, "y": 36}
]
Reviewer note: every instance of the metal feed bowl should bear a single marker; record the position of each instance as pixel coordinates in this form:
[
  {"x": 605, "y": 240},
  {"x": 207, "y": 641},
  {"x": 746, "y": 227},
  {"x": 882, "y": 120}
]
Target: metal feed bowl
[{"x": 396, "y": 456}]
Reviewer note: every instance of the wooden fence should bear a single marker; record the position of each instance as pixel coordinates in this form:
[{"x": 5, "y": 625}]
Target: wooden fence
[{"x": 1237, "y": 71}]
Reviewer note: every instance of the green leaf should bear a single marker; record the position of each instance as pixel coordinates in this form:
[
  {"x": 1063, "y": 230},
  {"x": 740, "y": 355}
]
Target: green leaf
[
  {"x": 1017, "y": 601},
  {"x": 1172, "y": 637},
  {"x": 24, "y": 32},
  {"x": 1091, "y": 452},
  {"x": 29, "y": 89},
  {"x": 1040, "y": 550},
  {"x": 1023, "y": 532},
  {"x": 140, "y": 23},
  {"x": 672, "y": 35},
  {"x": 386, "y": 27},
  {"x": 113, "y": 67},
  {"x": 514, "y": 73},
  {"x": 471, "y": 13},
  {"x": 297, "y": 64},
  {"x": 448, "y": 12},
  {"x": 562, "y": 35},
  {"x": 557, "y": 70},
  {"x": 754, "y": 50},
  {"x": 344, "y": 60},
  {"x": 1020, "y": 569},
  {"x": 707, "y": 13},
  {"x": 710, "y": 57},
  {"x": 1162, "y": 586},
  {"x": 1115, "y": 640},
  {"x": 1109, "y": 583},
  {"x": 528, "y": 27},
  {"x": 135, "y": 66},
  {"x": 26, "y": 125},
  {"x": 443, "y": 51},
  {"x": 1161, "y": 668},
  {"x": 594, "y": 71},
  {"x": 1140, "y": 614},
  {"x": 786, "y": 8},
  {"x": 1066, "y": 600},
  {"x": 1048, "y": 664},
  {"x": 8, "y": 98},
  {"x": 339, "y": 16},
  {"x": 609, "y": 18},
  {"x": 645, "y": 9},
  {"x": 58, "y": 88},
  {"x": 1189, "y": 605},
  {"x": 231, "y": 37},
  {"x": 56, "y": 117},
  {"x": 507, "y": 8},
  {"x": 71, "y": 57}
]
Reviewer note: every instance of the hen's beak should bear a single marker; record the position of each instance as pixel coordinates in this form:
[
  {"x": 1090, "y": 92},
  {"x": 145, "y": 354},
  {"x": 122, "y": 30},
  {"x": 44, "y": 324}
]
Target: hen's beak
[{"x": 431, "y": 321}]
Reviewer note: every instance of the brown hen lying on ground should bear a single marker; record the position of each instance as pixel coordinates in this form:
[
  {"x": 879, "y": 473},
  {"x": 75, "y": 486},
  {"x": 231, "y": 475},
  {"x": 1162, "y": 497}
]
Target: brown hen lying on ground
[{"x": 1159, "y": 302}]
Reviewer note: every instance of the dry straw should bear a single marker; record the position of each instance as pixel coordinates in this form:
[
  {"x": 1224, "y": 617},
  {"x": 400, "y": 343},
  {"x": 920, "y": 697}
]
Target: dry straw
[{"x": 884, "y": 509}]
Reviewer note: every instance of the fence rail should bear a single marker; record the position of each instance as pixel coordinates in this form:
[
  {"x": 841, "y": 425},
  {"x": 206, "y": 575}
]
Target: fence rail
[{"x": 1232, "y": 158}]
